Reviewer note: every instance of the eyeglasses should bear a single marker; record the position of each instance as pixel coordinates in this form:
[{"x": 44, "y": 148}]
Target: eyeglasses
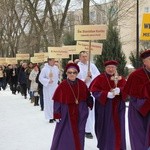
[{"x": 71, "y": 72}]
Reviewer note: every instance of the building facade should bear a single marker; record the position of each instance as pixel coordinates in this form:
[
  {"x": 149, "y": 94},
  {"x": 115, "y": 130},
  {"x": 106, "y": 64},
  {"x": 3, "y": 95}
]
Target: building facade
[
  {"x": 128, "y": 26},
  {"x": 126, "y": 12}
]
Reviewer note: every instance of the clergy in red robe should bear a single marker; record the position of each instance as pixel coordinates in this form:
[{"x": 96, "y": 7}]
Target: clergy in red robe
[
  {"x": 71, "y": 101},
  {"x": 138, "y": 88},
  {"x": 109, "y": 108}
]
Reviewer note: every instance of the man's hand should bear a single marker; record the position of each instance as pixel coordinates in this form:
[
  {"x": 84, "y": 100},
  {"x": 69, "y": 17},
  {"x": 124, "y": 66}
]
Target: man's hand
[
  {"x": 116, "y": 91},
  {"x": 87, "y": 79},
  {"x": 110, "y": 95},
  {"x": 89, "y": 74},
  {"x": 57, "y": 120}
]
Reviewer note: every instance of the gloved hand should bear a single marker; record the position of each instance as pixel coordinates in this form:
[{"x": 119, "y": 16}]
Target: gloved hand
[
  {"x": 110, "y": 95},
  {"x": 116, "y": 91},
  {"x": 57, "y": 120}
]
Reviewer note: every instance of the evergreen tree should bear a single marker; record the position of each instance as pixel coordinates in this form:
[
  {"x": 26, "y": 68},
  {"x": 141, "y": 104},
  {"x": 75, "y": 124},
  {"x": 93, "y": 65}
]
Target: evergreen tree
[
  {"x": 136, "y": 63},
  {"x": 112, "y": 50},
  {"x": 145, "y": 45},
  {"x": 68, "y": 39}
]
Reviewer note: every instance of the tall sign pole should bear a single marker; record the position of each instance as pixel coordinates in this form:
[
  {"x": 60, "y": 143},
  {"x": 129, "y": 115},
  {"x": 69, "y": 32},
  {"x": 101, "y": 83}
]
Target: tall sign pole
[
  {"x": 89, "y": 55},
  {"x": 137, "y": 35}
]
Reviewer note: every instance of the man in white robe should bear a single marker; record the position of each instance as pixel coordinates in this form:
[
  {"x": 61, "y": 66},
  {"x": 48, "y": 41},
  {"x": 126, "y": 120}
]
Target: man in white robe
[
  {"x": 49, "y": 78},
  {"x": 87, "y": 77}
]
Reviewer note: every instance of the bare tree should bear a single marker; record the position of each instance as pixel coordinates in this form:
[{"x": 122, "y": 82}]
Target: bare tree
[
  {"x": 11, "y": 26},
  {"x": 57, "y": 20},
  {"x": 37, "y": 21},
  {"x": 86, "y": 4}
]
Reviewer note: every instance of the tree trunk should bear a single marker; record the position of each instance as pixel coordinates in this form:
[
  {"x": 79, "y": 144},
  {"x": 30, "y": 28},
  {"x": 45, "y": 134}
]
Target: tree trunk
[{"x": 86, "y": 4}]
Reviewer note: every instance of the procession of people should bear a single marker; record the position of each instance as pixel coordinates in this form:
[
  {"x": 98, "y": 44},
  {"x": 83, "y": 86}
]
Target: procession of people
[{"x": 86, "y": 102}]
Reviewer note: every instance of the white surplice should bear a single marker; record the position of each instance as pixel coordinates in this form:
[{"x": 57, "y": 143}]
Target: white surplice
[
  {"x": 82, "y": 75},
  {"x": 49, "y": 73}
]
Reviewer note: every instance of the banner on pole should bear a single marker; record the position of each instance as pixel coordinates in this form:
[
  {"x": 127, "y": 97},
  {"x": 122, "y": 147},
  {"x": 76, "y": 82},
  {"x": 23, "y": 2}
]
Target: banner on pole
[
  {"x": 45, "y": 56},
  {"x": 90, "y": 32},
  {"x": 57, "y": 52},
  {"x": 96, "y": 48},
  {"x": 39, "y": 55},
  {"x": 22, "y": 56},
  {"x": 2, "y": 61},
  {"x": 11, "y": 61},
  {"x": 145, "y": 32},
  {"x": 36, "y": 59},
  {"x": 71, "y": 49}
]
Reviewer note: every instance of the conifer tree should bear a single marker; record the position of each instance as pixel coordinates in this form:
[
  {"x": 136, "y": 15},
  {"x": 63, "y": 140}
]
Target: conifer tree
[
  {"x": 112, "y": 50},
  {"x": 134, "y": 61}
]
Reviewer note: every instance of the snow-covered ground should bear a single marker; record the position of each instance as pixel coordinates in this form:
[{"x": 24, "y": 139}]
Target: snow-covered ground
[{"x": 23, "y": 126}]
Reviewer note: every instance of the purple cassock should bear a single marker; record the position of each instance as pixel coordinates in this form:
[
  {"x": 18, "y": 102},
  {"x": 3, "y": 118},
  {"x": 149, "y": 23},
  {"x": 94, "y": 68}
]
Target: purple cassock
[
  {"x": 138, "y": 88},
  {"x": 70, "y": 130},
  {"x": 109, "y": 114}
]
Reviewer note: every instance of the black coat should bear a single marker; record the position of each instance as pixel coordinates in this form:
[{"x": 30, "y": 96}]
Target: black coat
[
  {"x": 13, "y": 76},
  {"x": 22, "y": 77}
]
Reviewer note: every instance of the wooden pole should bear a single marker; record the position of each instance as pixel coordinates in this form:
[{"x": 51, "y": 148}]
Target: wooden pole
[
  {"x": 89, "y": 56},
  {"x": 60, "y": 69},
  {"x": 72, "y": 57}
]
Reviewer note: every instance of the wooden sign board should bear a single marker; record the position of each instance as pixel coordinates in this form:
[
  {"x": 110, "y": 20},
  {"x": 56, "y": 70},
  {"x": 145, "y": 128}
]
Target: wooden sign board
[
  {"x": 11, "y": 61},
  {"x": 2, "y": 61},
  {"x": 96, "y": 48},
  {"x": 45, "y": 56},
  {"x": 71, "y": 49},
  {"x": 39, "y": 55},
  {"x": 36, "y": 59},
  {"x": 145, "y": 32},
  {"x": 32, "y": 59},
  {"x": 22, "y": 56},
  {"x": 57, "y": 52},
  {"x": 90, "y": 32}
]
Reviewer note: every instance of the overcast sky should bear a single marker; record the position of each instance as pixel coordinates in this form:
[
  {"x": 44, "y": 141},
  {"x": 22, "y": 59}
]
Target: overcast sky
[
  {"x": 100, "y": 1},
  {"x": 77, "y": 5}
]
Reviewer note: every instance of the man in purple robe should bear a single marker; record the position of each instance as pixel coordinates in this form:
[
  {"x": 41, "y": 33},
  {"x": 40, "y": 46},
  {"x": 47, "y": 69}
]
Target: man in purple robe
[
  {"x": 138, "y": 88},
  {"x": 71, "y": 101},
  {"x": 109, "y": 108}
]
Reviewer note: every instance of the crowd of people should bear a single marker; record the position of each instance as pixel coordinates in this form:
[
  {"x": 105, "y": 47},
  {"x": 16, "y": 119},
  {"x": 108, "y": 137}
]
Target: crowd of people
[{"x": 86, "y": 101}]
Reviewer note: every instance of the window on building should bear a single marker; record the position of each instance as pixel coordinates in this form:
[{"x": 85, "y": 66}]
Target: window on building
[
  {"x": 147, "y": 9},
  {"x": 93, "y": 16}
]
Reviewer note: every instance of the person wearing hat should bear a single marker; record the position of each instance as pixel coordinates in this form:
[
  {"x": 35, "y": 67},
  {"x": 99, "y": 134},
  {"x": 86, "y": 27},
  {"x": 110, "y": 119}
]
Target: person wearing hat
[
  {"x": 71, "y": 101},
  {"x": 138, "y": 89},
  {"x": 49, "y": 77},
  {"x": 109, "y": 108}
]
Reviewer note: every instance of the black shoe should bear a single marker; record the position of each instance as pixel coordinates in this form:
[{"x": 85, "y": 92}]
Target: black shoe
[
  {"x": 51, "y": 120},
  {"x": 14, "y": 93},
  {"x": 89, "y": 135}
]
